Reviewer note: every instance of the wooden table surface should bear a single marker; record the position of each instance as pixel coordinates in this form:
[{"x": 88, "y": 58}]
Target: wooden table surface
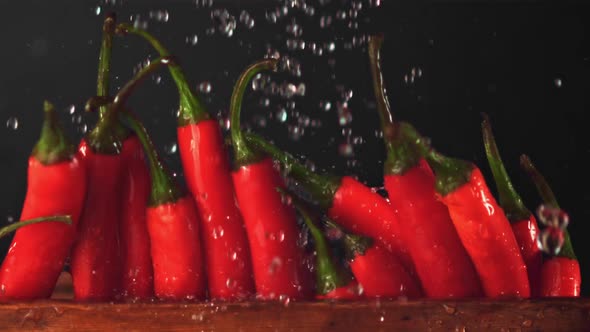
[{"x": 61, "y": 313}]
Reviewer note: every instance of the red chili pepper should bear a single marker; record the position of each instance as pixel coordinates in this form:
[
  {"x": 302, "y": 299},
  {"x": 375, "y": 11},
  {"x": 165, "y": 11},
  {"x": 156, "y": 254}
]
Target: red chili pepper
[
  {"x": 482, "y": 226},
  {"x": 277, "y": 260},
  {"x": 136, "y": 264},
  {"x": 378, "y": 272},
  {"x": 560, "y": 274},
  {"x": 442, "y": 263},
  {"x": 523, "y": 222},
  {"x": 138, "y": 272},
  {"x": 56, "y": 185},
  {"x": 208, "y": 176},
  {"x": 332, "y": 282},
  {"x": 348, "y": 202}
]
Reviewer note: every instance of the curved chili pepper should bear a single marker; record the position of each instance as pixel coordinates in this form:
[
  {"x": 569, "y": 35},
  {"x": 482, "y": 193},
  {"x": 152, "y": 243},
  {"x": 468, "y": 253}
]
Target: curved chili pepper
[
  {"x": 348, "y": 202},
  {"x": 208, "y": 177},
  {"x": 378, "y": 272},
  {"x": 560, "y": 274},
  {"x": 523, "y": 222},
  {"x": 173, "y": 226},
  {"x": 56, "y": 185},
  {"x": 331, "y": 282},
  {"x": 277, "y": 260},
  {"x": 136, "y": 264},
  {"x": 442, "y": 263},
  {"x": 481, "y": 224}
]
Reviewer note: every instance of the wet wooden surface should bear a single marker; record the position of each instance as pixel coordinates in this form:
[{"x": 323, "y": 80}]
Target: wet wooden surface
[{"x": 61, "y": 313}]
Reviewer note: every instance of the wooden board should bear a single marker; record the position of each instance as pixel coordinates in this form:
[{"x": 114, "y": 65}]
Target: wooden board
[{"x": 61, "y": 313}]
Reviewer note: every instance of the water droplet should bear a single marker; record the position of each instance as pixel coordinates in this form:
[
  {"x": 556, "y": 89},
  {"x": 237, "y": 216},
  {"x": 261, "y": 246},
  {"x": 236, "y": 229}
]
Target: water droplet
[
  {"x": 341, "y": 15},
  {"x": 265, "y": 102},
  {"x": 9, "y": 219},
  {"x": 160, "y": 15},
  {"x": 247, "y": 20},
  {"x": 296, "y": 132},
  {"x": 224, "y": 22},
  {"x": 344, "y": 114},
  {"x": 292, "y": 44},
  {"x": 325, "y": 105},
  {"x": 275, "y": 264},
  {"x": 381, "y": 319},
  {"x": 271, "y": 17},
  {"x": 218, "y": 232},
  {"x": 294, "y": 29},
  {"x": 71, "y": 109},
  {"x": 282, "y": 115},
  {"x": 346, "y": 150},
  {"x": 330, "y": 46},
  {"x": 309, "y": 11},
  {"x": 558, "y": 82},
  {"x": 171, "y": 148},
  {"x": 550, "y": 240},
  {"x": 449, "y": 309},
  {"x": 325, "y": 21},
  {"x": 204, "y": 87},
  {"x": 93, "y": 272},
  {"x": 97, "y": 10},
  {"x": 204, "y": 3},
  {"x": 192, "y": 40},
  {"x": 230, "y": 283},
  {"x": 234, "y": 256},
  {"x": 12, "y": 123}
]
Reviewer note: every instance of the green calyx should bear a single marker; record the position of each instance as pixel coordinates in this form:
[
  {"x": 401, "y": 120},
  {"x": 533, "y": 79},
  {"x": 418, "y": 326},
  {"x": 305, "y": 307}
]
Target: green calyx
[
  {"x": 328, "y": 276},
  {"x": 322, "y": 188},
  {"x": 164, "y": 188},
  {"x": 243, "y": 155},
  {"x": 548, "y": 197},
  {"x": 191, "y": 109},
  {"x": 354, "y": 245},
  {"x": 53, "y": 146},
  {"x": 401, "y": 154},
  {"x": 509, "y": 199},
  {"x": 66, "y": 219}
]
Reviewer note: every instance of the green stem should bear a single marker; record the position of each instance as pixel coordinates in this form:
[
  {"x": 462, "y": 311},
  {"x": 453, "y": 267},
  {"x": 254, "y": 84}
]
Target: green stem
[
  {"x": 104, "y": 138},
  {"x": 242, "y": 153},
  {"x": 321, "y": 187},
  {"x": 66, "y": 219},
  {"x": 450, "y": 173},
  {"x": 53, "y": 146},
  {"x": 164, "y": 188},
  {"x": 327, "y": 274},
  {"x": 401, "y": 154},
  {"x": 192, "y": 111},
  {"x": 548, "y": 198},
  {"x": 509, "y": 199},
  {"x": 104, "y": 59},
  {"x": 354, "y": 244}
]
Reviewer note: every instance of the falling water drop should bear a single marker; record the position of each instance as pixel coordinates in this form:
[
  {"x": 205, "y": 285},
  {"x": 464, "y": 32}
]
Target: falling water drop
[{"x": 12, "y": 123}]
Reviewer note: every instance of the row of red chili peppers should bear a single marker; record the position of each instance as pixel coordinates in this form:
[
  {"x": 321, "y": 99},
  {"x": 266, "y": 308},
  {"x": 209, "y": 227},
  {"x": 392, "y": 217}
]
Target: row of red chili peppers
[{"x": 135, "y": 233}]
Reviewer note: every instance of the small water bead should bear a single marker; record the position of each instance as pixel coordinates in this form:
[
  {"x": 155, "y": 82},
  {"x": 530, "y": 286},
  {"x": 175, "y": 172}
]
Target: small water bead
[
  {"x": 12, "y": 123},
  {"x": 171, "y": 148},
  {"x": 138, "y": 23},
  {"x": 558, "y": 82},
  {"x": 218, "y": 232},
  {"x": 288, "y": 90},
  {"x": 325, "y": 105},
  {"x": 224, "y": 22},
  {"x": 72, "y": 109},
  {"x": 204, "y": 3},
  {"x": 10, "y": 219},
  {"x": 344, "y": 115},
  {"x": 192, "y": 40},
  {"x": 551, "y": 240},
  {"x": 265, "y": 102},
  {"x": 204, "y": 87},
  {"x": 294, "y": 29},
  {"x": 77, "y": 119},
  {"x": 296, "y": 132},
  {"x": 160, "y": 15},
  {"x": 271, "y": 17},
  {"x": 97, "y": 10},
  {"x": 330, "y": 46},
  {"x": 82, "y": 129},
  {"x": 346, "y": 150},
  {"x": 275, "y": 264},
  {"x": 230, "y": 283},
  {"x": 292, "y": 44},
  {"x": 246, "y": 19},
  {"x": 309, "y": 11},
  {"x": 234, "y": 256},
  {"x": 301, "y": 89},
  {"x": 325, "y": 21},
  {"x": 341, "y": 15},
  {"x": 282, "y": 115},
  {"x": 353, "y": 14},
  {"x": 375, "y": 3}
]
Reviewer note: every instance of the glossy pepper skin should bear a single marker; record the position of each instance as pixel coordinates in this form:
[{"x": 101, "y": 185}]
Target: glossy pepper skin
[
  {"x": 442, "y": 263},
  {"x": 348, "y": 202},
  {"x": 208, "y": 177},
  {"x": 483, "y": 228},
  {"x": 277, "y": 259},
  {"x": 95, "y": 257},
  {"x": 378, "y": 272},
  {"x": 138, "y": 275},
  {"x": 560, "y": 274},
  {"x": 56, "y": 184},
  {"x": 523, "y": 222}
]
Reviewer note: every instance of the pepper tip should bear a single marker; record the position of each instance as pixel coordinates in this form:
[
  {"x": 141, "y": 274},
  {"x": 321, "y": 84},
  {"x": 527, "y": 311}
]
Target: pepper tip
[
  {"x": 109, "y": 23},
  {"x": 48, "y": 106}
]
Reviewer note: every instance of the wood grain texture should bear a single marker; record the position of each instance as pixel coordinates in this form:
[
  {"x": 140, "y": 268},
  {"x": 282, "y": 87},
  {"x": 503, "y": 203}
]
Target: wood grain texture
[
  {"x": 62, "y": 314},
  {"x": 57, "y": 315}
]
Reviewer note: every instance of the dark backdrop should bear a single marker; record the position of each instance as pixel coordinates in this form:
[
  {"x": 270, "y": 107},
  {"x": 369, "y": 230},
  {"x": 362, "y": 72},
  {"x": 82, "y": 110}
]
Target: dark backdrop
[{"x": 525, "y": 63}]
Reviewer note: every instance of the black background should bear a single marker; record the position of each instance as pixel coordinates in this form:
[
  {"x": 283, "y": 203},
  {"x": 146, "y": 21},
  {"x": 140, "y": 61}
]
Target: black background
[{"x": 505, "y": 58}]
